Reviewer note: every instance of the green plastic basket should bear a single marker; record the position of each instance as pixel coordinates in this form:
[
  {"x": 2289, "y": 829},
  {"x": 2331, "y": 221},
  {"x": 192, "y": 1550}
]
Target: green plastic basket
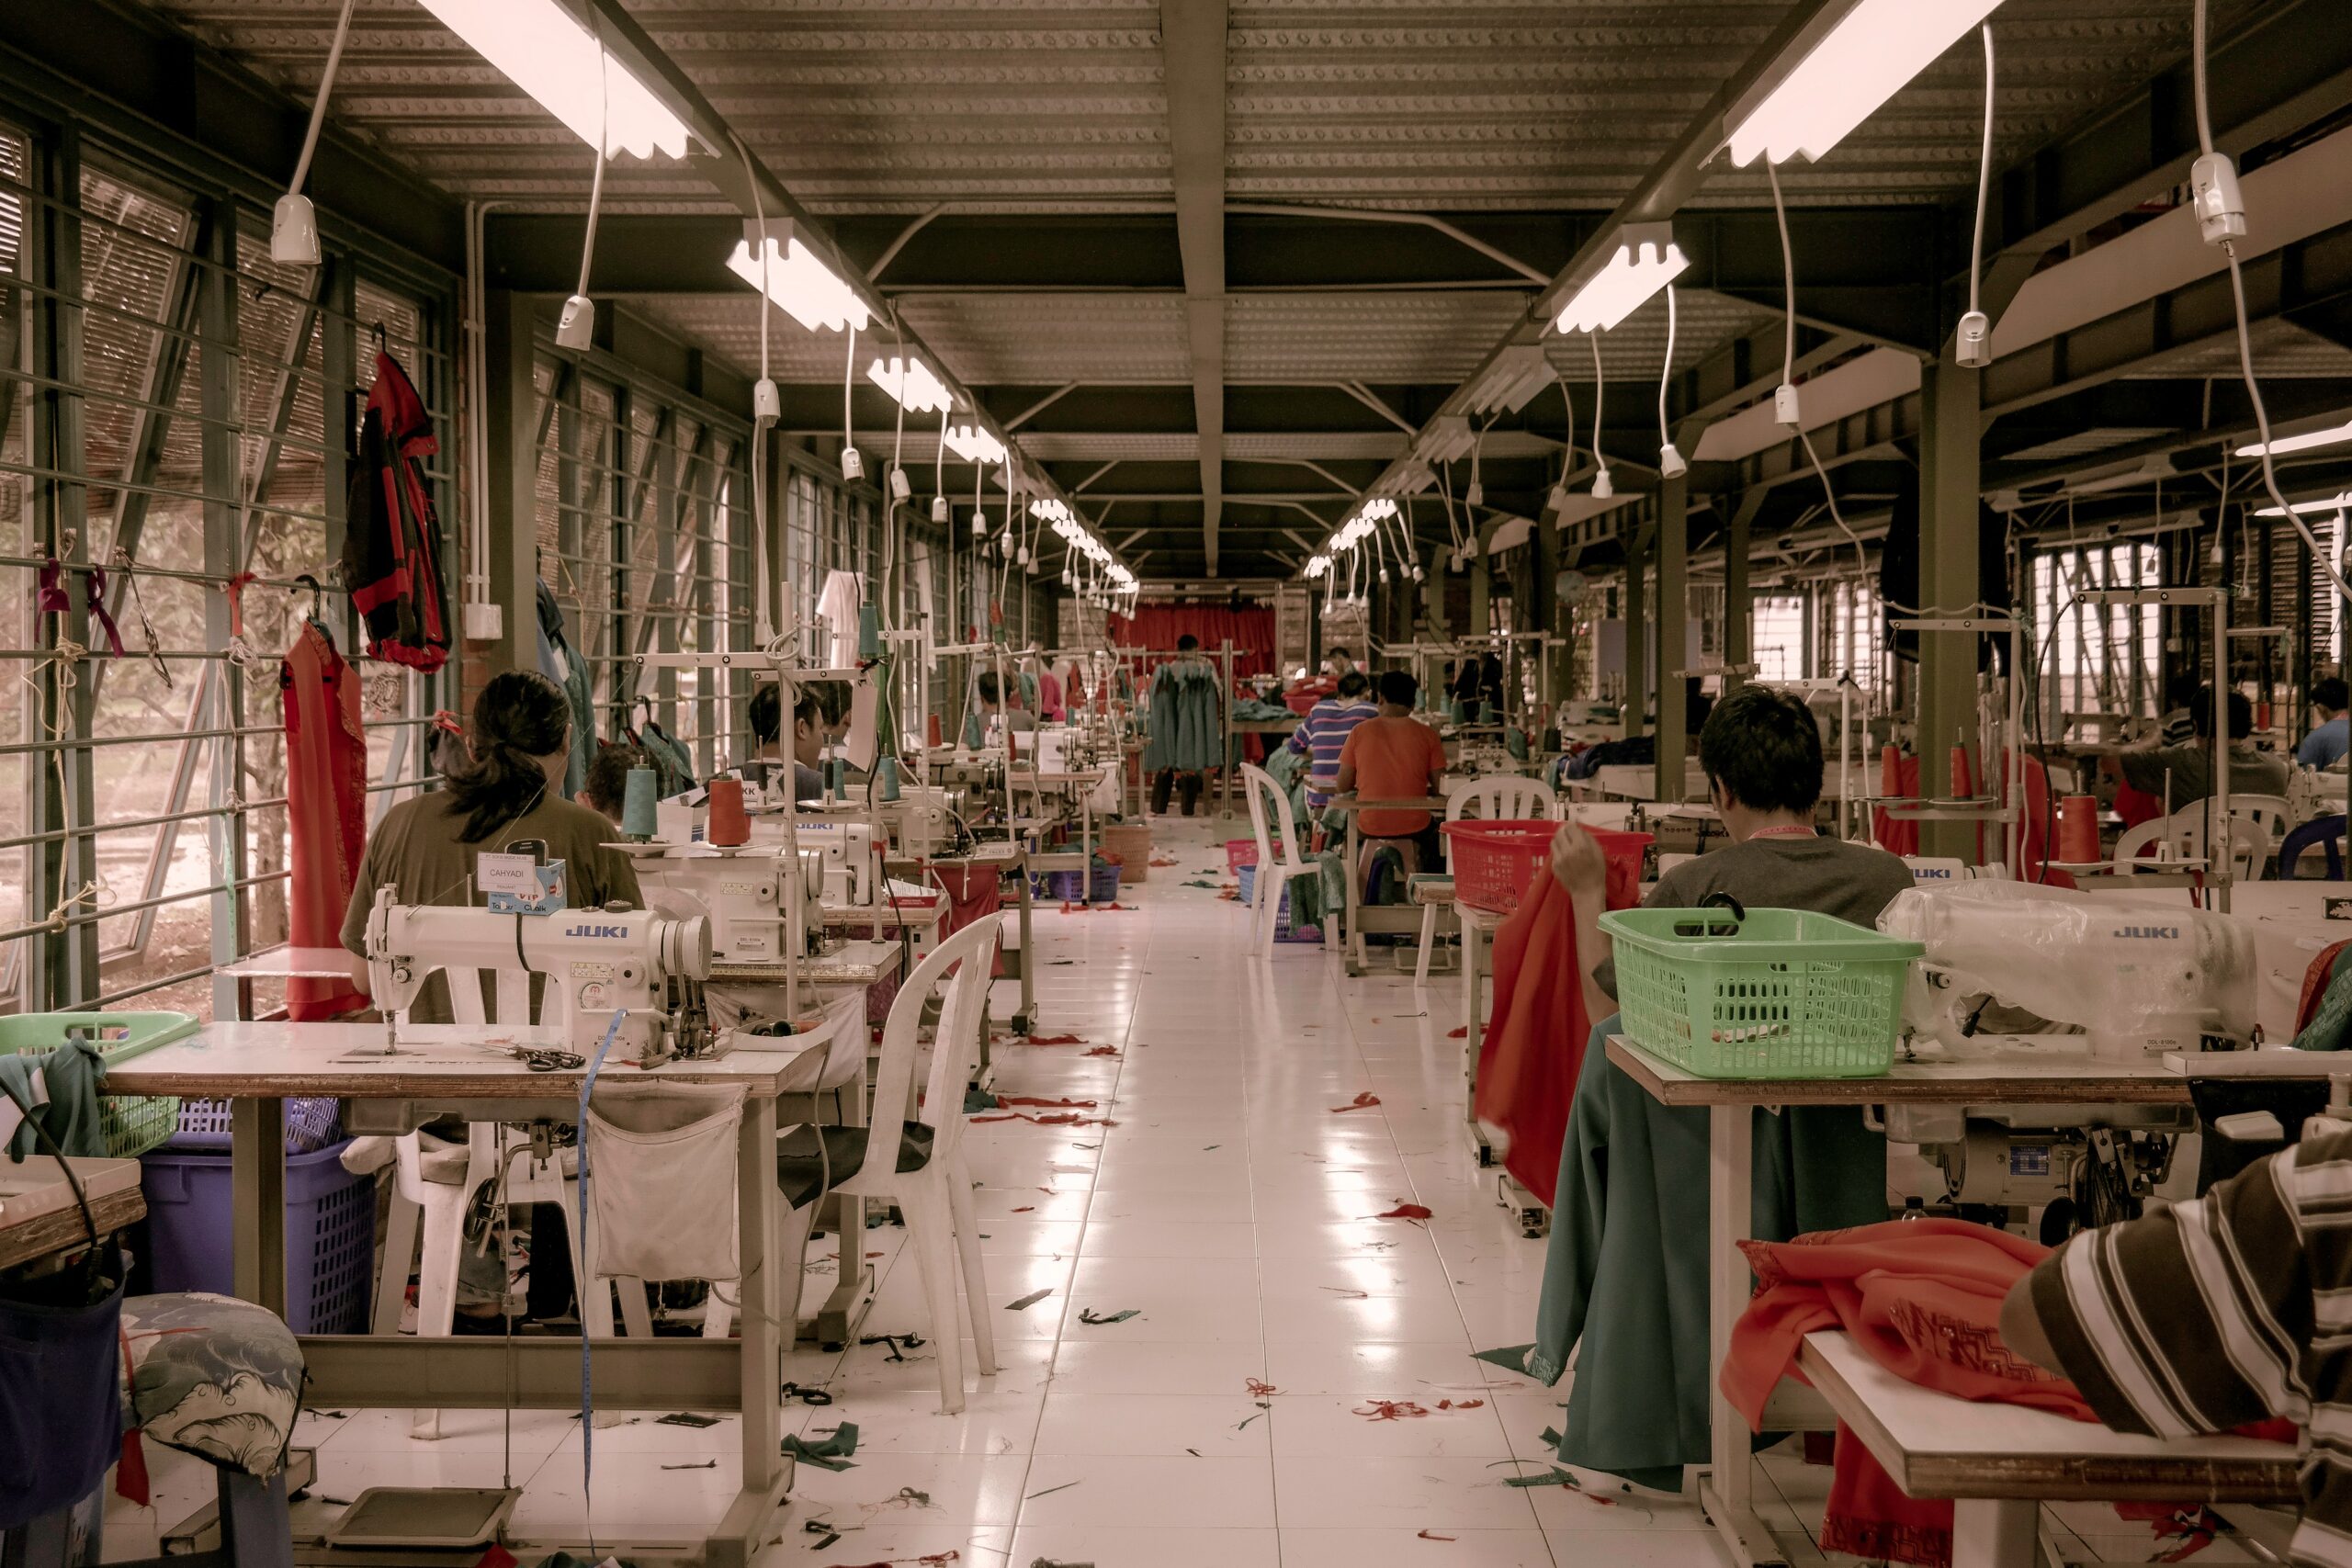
[
  {"x": 133, "y": 1123},
  {"x": 1777, "y": 994}
]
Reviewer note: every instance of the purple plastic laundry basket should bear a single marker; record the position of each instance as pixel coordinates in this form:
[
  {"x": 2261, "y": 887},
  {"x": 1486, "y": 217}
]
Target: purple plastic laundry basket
[{"x": 330, "y": 1234}]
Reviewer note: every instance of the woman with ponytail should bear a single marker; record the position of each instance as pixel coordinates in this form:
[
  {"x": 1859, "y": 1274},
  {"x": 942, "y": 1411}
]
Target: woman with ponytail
[{"x": 507, "y": 794}]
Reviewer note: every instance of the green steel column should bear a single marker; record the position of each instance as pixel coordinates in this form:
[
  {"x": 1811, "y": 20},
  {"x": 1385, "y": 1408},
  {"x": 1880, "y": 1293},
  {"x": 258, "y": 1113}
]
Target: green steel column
[
  {"x": 512, "y": 456},
  {"x": 1947, "y": 583},
  {"x": 1673, "y": 611},
  {"x": 1739, "y": 613},
  {"x": 1636, "y": 609}
]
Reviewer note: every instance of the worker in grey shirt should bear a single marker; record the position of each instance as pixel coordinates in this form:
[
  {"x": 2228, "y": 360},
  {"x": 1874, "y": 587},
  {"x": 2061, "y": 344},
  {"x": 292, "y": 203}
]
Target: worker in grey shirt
[
  {"x": 1627, "y": 1270},
  {"x": 2187, "y": 771}
]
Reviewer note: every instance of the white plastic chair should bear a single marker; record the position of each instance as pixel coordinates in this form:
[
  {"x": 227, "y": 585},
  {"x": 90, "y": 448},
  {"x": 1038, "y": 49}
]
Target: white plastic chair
[
  {"x": 2250, "y": 844},
  {"x": 2268, "y": 812},
  {"x": 936, "y": 1195},
  {"x": 1270, "y": 808},
  {"x": 1496, "y": 797},
  {"x": 434, "y": 1188}
]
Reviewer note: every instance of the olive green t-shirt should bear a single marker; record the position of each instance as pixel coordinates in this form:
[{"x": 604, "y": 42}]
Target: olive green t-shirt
[{"x": 416, "y": 849}]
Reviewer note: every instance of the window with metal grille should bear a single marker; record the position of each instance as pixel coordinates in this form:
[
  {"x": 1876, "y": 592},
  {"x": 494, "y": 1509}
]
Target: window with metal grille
[
  {"x": 2096, "y": 663},
  {"x": 175, "y": 418},
  {"x": 644, "y": 536}
]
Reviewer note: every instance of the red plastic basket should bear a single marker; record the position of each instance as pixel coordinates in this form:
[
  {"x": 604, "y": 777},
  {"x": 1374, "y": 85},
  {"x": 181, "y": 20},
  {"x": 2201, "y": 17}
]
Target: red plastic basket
[
  {"x": 1240, "y": 853},
  {"x": 1495, "y": 861}
]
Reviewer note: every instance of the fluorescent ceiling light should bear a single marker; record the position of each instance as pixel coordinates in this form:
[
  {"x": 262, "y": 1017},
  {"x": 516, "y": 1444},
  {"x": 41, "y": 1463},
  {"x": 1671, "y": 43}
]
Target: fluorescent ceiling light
[
  {"x": 2281, "y": 445},
  {"x": 2337, "y": 503},
  {"x": 544, "y": 48},
  {"x": 1851, "y": 60},
  {"x": 800, "y": 282},
  {"x": 1511, "y": 380},
  {"x": 1645, "y": 260},
  {"x": 910, "y": 383},
  {"x": 975, "y": 445}
]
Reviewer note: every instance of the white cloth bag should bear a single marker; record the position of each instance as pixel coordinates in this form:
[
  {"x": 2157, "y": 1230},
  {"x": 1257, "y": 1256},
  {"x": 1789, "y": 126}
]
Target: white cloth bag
[{"x": 662, "y": 1180}]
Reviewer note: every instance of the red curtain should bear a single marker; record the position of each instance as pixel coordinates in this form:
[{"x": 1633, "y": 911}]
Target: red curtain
[{"x": 1250, "y": 630}]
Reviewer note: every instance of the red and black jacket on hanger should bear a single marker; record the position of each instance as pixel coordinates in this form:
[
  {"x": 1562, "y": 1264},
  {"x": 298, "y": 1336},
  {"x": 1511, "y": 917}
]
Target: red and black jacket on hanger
[{"x": 392, "y": 560}]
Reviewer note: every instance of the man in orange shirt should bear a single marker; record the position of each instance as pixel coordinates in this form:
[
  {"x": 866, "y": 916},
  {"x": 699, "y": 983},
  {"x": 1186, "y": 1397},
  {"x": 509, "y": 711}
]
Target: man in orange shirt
[{"x": 1395, "y": 756}]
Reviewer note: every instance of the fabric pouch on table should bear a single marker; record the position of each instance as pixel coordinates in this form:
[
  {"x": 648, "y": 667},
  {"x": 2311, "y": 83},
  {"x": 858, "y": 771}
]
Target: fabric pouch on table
[{"x": 649, "y": 1143}]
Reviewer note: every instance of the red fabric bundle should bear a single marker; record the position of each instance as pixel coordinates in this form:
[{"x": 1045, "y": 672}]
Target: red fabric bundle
[
  {"x": 1895, "y": 837},
  {"x": 1922, "y": 1298},
  {"x": 1534, "y": 1049}
]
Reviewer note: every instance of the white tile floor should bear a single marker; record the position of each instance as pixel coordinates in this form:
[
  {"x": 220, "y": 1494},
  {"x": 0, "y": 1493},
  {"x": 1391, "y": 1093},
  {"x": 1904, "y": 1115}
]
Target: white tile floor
[{"x": 1230, "y": 1205}]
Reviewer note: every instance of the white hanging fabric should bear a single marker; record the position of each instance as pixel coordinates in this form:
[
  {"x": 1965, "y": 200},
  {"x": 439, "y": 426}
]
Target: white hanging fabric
[
  {"x": 646, "y": 1143},
  {"x": 839, "y": 604}
]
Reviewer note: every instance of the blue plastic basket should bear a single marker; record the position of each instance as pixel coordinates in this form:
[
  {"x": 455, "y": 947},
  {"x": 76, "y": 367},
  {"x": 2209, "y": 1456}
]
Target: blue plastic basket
[
  {"x": 330, "y": 1234},
  {"x": 311, "y": 1124}
]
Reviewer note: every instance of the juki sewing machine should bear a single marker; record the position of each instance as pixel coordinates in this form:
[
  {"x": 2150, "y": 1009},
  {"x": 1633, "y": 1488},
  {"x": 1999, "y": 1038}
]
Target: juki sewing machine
[
  {"x": 845, "y": 845},
  {"x": 2016, "y": 969},
  {"x": 747, "y": 898},
  {"x": 599, "y": 964}
]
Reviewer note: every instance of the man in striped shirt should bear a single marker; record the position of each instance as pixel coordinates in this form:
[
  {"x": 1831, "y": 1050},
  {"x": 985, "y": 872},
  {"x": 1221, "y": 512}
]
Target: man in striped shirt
[
  {"x": 2215, "y": 1314},
  {"x": 1325, "y": 729}
]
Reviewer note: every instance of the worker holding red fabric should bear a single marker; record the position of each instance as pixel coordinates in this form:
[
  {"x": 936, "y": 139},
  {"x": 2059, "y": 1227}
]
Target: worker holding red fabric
[
  {"x": 326, "y": 810},
  {"x": 1534, "y": 1043}
]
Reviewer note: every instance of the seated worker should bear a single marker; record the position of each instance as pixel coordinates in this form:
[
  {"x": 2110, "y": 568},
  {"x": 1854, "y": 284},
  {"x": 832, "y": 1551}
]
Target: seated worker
[
  {"x": 766, "y": 715},
  {"x": 833, "y": 699},
  {"x": 506, "y": 793},
  {"x": 2179, "y": 724},
  {"x": 1394, "y": 756},
  {"x": 1336, "y": 662},
  {"x": 982, "y": 717},
  {"x": 1626, "y": 1275},
  {"x": 2190, "y": 769},
  {"x": 1325, "y": 729},
  {"x": 2216, "y": 1314},
  {"x": 606, "y": 789},
  {"x": 2331, "y": 738}
]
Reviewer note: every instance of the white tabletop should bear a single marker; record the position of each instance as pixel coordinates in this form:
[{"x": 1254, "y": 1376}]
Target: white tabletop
[
  {"x": 278, "y": 1060},
  {"x": 2005, "y": 1078},
  {"x": 1934, "y": 1445}
]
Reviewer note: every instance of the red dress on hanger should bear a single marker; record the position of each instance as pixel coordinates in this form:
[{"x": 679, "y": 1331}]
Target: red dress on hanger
[{"x": 326, "y": 808}]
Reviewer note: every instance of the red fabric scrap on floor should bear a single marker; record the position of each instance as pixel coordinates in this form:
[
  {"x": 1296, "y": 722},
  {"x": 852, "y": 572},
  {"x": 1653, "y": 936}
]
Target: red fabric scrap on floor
[
  {"x": 1923, "y": 1299},
  {"x": 1364, "y": 1101},
  {"x": 1103, "y": 1051},
  {"x": 1055, "y": 1040},
  {"x": 1461, "y": 1033},
  {"x": 1390, "y": 1410},
  {"x": 1534, "y": 1049},
  {"x": 1405, "y": 1212},
  {"x": 1062, "y": 1104}
]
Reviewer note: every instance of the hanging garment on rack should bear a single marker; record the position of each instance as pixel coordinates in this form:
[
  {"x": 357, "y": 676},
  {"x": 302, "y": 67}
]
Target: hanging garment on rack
[
  {"x": 1533, "y": 1048},
  {"x": 1186, "y": 722},
  {"x": 560, "y": 664},
  {"x": 392, "y": 554},
  {"x": 326, "y": 810}
]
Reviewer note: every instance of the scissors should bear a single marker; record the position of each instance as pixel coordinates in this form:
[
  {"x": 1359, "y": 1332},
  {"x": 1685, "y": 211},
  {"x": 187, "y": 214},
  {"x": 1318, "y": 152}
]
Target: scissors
[{"x": 541, "y": 1060}]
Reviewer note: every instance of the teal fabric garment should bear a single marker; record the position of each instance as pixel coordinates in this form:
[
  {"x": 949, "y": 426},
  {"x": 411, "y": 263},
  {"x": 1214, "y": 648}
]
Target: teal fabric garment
[
  {"x": 73, "y": 1074},
  {"x": 673, "y": 765},
  {"x": 1626, "y": 1275},
  {"x": 1289, "y": 770},
  {"x": 2330, "y": 1023},
  {"x": 1186, "y": 724},
  {"x": 560, "y": 665}
]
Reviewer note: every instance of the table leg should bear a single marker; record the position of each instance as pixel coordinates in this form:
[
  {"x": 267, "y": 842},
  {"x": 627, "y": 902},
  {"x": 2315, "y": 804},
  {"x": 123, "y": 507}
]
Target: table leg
[
  {"x": 1027, "y": 1021},
  {"x": 1728, "y": 1493},
  {"x": 1474, "y": 947},
  {"x": 767, "y": 1475},
  {"x": 257, "y": 1200},
  {"x": 1354, "y": 936},
  {"x": 1995, "y": 1532}
]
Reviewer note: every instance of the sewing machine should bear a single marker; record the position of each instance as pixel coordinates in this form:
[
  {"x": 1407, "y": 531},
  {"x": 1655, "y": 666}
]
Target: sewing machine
[
  {"x": 599, "y": 964},
  {"x": 2122, "y": 977},
  {"x": 922, "y": 820},
  {"x": 746, "y": 897},
  {"x": 845, "y": 845}
]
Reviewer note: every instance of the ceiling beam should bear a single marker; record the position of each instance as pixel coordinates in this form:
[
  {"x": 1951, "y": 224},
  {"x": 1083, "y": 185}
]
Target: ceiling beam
[
  {"x": 2287, "y": 68},
  {"x": 1192, "y": 45}
]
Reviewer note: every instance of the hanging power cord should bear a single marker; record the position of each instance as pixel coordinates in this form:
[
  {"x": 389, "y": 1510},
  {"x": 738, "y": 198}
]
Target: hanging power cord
[
  {"x": 1973, "y": 345},
  {"x": 2221, "y": 217},
  {"x": 1568, "y": 451},
  {"x": 1785, "y": 407},
  {"x": 576, "y": 328},
  {"x": 1670, "y": 462},
  {"x": 853, "y": 466},
  {"x": 1603, "y": 488},
  {"x": 766, "y": 408},
  {"x": 294, "y": 222}
]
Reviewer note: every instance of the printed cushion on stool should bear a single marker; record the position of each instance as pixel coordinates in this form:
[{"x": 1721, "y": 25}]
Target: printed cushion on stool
[{"x": 212, "y": 1376}]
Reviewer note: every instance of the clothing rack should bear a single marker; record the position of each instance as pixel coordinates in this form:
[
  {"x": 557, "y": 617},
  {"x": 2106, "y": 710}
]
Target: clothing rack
[{"x": 1223, "y": 656}]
